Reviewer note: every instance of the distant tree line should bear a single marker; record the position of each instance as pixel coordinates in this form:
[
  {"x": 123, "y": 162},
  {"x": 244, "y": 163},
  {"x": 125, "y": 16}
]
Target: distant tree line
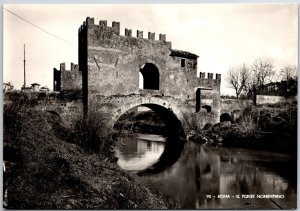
[{"x": 259, "y": 78}]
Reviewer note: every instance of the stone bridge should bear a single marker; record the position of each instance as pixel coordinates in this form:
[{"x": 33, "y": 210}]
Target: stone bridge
[
  {"x": 119, "y": 72},
  {"x": 173, "y": 111}
]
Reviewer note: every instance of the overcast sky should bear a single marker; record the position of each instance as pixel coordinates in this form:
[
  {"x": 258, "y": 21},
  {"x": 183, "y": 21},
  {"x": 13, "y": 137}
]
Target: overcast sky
[{"x": 223, "y": 35}]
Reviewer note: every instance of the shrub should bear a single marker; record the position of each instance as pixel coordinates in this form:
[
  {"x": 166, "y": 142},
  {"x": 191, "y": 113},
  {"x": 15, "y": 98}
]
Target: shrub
[
  {"x": 91, "y": 132},
  {"x": 70, "y": 95},
  {"x": 246, "y": 125}
]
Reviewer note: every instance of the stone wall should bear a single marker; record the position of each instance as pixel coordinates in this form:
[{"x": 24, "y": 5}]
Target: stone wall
[
  {"x": 118, "y": 59},
  {"x": 69, "y": 111},
  {"x": 230, "y": 105},
  {"x": 67, "y": 80},
  {"x": 267, "y": 99},
  {"x": 113, "y": 66},
  {"x": 209, "y": 88}
]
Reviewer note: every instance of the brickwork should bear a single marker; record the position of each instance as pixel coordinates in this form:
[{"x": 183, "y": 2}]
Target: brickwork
[
  {"x": 67, "y": 80},
  {"x": 113, "y": 65}
]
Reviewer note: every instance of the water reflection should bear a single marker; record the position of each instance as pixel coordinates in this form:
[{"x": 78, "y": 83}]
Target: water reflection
[
  {"x": 201, "y": 172},
  {"x": 138, "y": 153},
  {"x": 171, "y": 153}
]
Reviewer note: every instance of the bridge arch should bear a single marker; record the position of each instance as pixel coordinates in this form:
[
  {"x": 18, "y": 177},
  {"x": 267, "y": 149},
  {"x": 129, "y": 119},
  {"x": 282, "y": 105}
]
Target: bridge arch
[{"x": 171, "y": 115}]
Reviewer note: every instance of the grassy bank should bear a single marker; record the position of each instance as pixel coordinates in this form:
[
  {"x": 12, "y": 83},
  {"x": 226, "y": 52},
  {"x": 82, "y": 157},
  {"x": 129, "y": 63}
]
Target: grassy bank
[
  {"x": 51, "y": 167},
  {"x": 266, "y": 127}
]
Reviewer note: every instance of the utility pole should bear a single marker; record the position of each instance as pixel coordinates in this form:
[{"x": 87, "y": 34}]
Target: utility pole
[{"x": 24, "y": 70}]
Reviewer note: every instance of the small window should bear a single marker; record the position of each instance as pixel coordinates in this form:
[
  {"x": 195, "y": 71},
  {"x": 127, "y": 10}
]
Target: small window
[{"x": 182, "y": 62}]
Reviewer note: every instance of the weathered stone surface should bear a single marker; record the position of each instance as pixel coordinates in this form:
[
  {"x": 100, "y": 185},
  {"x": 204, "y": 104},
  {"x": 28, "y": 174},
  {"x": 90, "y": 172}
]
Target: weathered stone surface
[
  {"x": 112, "y": 66},
  {"x": 67, "y": 80},
  {"x": 232, "y": 106}
]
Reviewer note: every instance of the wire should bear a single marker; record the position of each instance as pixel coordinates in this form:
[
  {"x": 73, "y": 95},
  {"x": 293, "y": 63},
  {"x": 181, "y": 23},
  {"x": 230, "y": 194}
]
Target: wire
[{"x": 49, "y": 33}]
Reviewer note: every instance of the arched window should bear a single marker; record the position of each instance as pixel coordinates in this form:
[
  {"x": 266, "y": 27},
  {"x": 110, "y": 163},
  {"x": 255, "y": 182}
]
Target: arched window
[{"x": 149, "y": 77}]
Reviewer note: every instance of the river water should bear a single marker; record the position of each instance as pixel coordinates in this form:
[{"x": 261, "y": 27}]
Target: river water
[{"x": 204, "y": 177}]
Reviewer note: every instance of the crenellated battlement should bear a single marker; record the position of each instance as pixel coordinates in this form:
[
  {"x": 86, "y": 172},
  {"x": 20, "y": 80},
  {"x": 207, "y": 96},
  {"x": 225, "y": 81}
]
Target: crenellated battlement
[
  {"x": 209, "y": 82},
  {"x": 128, "y": 32},
  {"x": 209, "y": 76},
  {"x": 62, "y": 66},
  {"x": 73, "y": 67},
  {"x": 162, "y": 37},
  {"x": 151, "y": 36},
  {"x": 139, "y": 34},
  {"x": 115, "y": 28},
  {"x": 102, "y": 23}
]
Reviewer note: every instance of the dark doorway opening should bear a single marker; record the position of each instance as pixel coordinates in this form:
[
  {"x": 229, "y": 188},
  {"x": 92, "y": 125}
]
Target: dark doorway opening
[
  {"x": 150, "y": 75},
  {"x": 198, "y": 96}
]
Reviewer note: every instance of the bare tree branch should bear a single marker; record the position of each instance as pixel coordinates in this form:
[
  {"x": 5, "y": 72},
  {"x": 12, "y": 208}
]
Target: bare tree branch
[
  {"x": 238, "y": 77},
  {"x": 262, "y": 73},
  {"x": 288, "y": 72}
]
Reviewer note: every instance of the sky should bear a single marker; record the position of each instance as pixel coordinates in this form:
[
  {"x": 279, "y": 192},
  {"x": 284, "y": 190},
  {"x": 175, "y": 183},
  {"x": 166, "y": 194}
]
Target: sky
[{"x": 222, "y": 35}]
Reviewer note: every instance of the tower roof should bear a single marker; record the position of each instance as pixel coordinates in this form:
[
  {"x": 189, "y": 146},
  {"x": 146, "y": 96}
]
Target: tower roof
[{"x": 183, "y": 54}]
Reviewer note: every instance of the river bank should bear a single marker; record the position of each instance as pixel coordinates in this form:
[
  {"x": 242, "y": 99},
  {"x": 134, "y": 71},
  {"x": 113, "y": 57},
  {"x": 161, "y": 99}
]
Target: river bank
[
  {"x": 48, "y": 167},
  {"x": 266, "y": 127}
]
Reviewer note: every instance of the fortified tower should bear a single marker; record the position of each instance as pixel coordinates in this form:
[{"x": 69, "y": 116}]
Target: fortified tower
[
  {"x": 67, "y": 80},
  {"x": 143, "y": 70}
]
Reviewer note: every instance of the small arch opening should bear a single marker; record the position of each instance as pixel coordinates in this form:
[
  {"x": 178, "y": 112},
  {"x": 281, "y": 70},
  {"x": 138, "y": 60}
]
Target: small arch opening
[
  {"x": 225, "y": 117},
  {"x": 207, "y": 107},
  {"x": 149, "y": 77}
]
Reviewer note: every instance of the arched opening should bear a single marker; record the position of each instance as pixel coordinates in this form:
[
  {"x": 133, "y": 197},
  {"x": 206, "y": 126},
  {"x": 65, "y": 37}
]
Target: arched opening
[
  {"x": 149, "y": 77},
  {"x": 225, "y": 117},
  {"x": 207, "y": 107},
  {"x": 148, "y": 138}
]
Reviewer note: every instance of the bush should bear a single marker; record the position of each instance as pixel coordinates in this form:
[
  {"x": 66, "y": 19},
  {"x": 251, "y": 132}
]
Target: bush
[
  {"x": 270, "y": 128},
  {"x": 247, "y": 125},
  {"x": 70, "y": 95},
  {"x": 90, "y": 136}
]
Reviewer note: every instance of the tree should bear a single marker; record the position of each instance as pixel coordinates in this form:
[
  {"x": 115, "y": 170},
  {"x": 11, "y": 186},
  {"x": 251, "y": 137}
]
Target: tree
[
  {"x": 238, "y": 77},
  {"x": 288, "y": 72},
  {"x": 288, "y": 83},
  {"x": 262, "y": 74}
]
